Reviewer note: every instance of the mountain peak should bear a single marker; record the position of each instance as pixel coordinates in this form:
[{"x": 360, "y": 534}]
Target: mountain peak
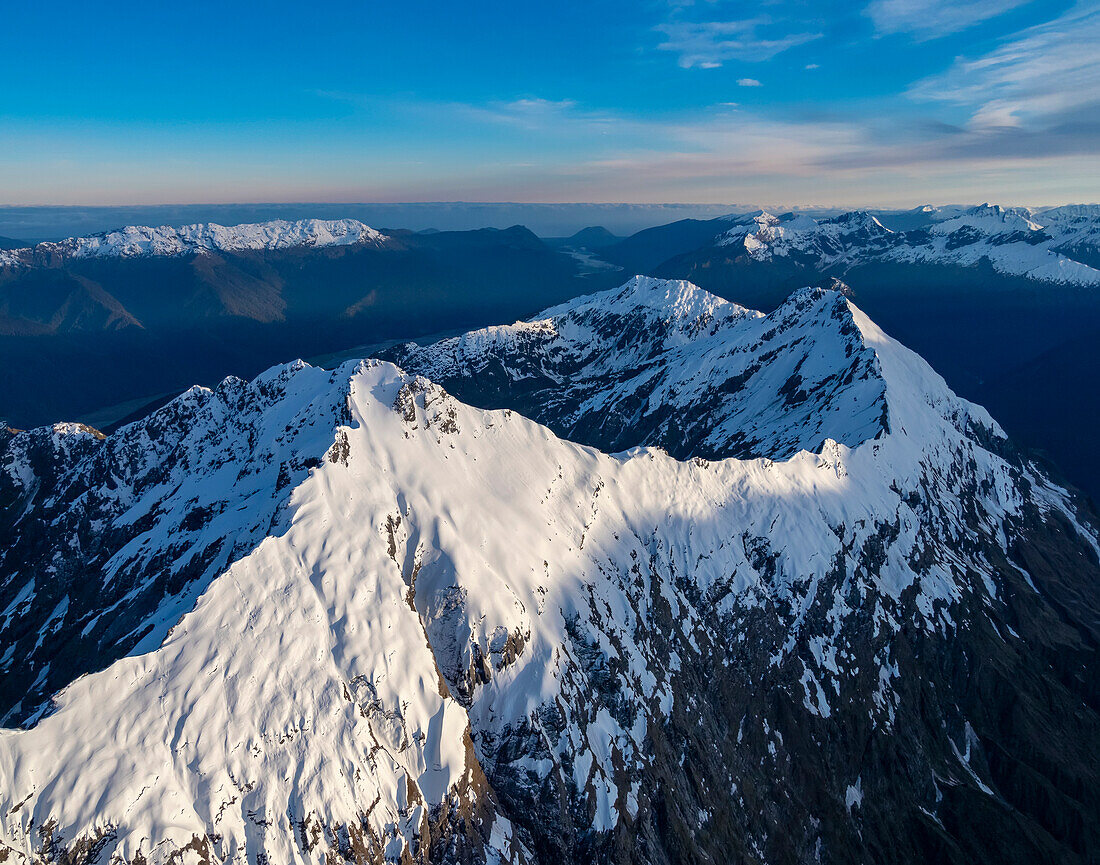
[
  {"x": 800, "y": 235},
  {"x": 992, "y": 216},
  {"x": 860, "y": 219},
  {"x": 631, "y": 366},
  {"x": 593, "y": 237},
  {"x": 676, "y": 299}
]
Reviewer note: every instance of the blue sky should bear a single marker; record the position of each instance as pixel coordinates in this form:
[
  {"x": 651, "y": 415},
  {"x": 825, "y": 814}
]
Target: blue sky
[{"x": 868, "y": 102}]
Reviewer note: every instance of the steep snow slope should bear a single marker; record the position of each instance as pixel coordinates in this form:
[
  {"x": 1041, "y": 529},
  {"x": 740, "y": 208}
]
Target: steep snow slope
[
  {"x": 445, "y": 634},
  {"x": 200, "y": 238},
  {"x": 662, "y": 362},
  {"x": 154, "y": 512}
]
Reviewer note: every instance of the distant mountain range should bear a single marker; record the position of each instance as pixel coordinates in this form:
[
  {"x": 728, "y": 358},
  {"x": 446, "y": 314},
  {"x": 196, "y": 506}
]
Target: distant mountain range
[
  {"x": 546, "y": 220},
  {"x": 167, "y": 278},
  {"x": 1010, "y": 241},
  {"x": 1060, "y": 245},
  {"x": 92, "y": 322},
  {"x": 207, "y": 238}
]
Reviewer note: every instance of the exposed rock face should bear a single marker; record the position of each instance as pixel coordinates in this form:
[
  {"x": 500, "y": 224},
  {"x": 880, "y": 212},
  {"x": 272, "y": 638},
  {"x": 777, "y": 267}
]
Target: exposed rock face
[{"x": 362, "y": 620}]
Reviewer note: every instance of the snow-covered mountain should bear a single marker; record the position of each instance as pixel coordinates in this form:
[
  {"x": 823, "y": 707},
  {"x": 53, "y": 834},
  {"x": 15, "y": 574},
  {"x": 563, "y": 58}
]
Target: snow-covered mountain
[
  {"x": 167, "y": 240},
  {"x": 988, "y": 295},
  {"x": 660, "y": 362},
  {"x": 343, "y": 615},
  {"x": 1009, "y": 239},
  {"x": 1077, "y": 227}
]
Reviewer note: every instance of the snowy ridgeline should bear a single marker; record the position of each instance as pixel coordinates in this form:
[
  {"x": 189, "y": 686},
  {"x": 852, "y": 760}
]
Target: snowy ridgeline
[
  {"x": 1016, "y": 241},
  {"x": 401, "y": 595},
  {"x": 1043, "y": 245},
  {"x": 661, "y": 362},
  {"x": 135, "y": 240}
]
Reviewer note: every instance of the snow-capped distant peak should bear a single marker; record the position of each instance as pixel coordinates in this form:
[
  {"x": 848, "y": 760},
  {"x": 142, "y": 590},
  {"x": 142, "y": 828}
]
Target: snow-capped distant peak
[
  {"x": 205, "y": 237},
  {"x": 673, "y": 299},
  {"x": 860, "y": 218},
  {"x": 990, "y": 218},
  {"x": 1016, "y": 241},
  {"x": 770, "y": 236}
]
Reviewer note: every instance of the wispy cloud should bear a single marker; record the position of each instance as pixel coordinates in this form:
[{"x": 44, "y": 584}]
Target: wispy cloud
[
  {"x": 930, "y": 19},
  {"x": 709, "y": 44},
  {"x": 590, "y": 118},
  {"x": 1045, "y": 75},
  {"x": 529, "y": 112}
]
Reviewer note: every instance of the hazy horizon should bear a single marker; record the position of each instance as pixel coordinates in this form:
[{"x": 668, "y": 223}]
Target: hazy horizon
[{"x": 37, "y": 223}]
